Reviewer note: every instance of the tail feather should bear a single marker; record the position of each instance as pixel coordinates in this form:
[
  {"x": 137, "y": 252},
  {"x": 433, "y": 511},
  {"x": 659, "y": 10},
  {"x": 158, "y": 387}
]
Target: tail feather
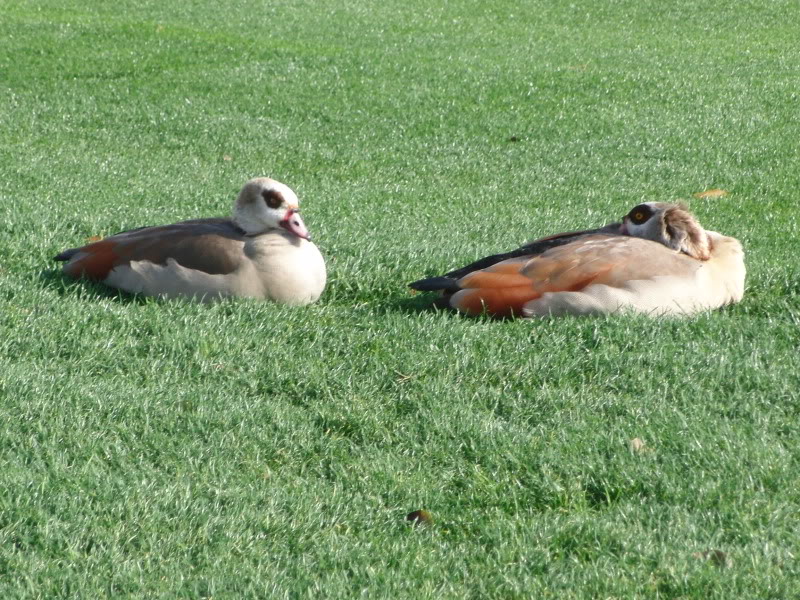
[
  {"x": 93, "y": 261},
  {"x": 66, "y": 254},
  {"x": 435, "y": 284}
]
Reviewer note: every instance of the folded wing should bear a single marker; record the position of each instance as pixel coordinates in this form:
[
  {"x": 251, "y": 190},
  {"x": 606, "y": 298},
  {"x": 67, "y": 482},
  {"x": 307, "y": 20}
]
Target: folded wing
[
  {"x": 212, "y": 246},
  {"x": 595, "y": 274}
]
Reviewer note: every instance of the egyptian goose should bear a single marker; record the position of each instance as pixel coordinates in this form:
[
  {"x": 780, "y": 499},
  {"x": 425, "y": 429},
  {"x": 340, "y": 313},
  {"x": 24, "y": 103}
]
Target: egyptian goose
[
  {"x": 658, "y": 261},
  {"x": 263, "y": 252}
]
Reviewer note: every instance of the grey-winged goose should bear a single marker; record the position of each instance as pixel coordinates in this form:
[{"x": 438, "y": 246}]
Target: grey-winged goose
[{"x": 263, "y": 252}]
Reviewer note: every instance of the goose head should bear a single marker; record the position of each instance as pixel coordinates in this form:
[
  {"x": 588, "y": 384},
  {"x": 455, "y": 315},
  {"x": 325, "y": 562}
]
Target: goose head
[
  {"x": 669, "y": 224},
  {"x": 265, "y": 204}
]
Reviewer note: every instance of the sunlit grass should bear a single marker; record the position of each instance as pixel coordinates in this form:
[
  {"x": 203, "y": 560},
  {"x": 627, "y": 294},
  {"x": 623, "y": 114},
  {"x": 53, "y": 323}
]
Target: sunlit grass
[{"x": 169, "y": 449}]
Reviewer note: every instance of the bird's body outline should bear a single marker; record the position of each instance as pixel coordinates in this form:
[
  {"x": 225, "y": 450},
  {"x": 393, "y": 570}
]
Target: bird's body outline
[
  {"x": 264, "y": 252},
  {"x": 657, "y": 261}
]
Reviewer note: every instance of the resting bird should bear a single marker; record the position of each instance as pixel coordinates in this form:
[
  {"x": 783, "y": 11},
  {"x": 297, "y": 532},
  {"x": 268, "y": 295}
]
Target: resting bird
[
  {"x": 658, "y": 261},
  {"x": 263, "y": 252}
]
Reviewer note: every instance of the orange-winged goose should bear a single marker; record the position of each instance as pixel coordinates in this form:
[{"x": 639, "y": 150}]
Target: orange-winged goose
[
  {"x": 262, "y": 252},
  {"x": 658, "y": 261}
]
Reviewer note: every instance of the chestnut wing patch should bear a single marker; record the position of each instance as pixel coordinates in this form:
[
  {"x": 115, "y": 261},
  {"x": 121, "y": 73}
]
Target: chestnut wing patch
[{"x": 528, "y": 250}]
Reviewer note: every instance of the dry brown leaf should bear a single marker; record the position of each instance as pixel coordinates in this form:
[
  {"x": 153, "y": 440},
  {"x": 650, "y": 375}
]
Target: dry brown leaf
[
  {"x": 708, "y": 194},
  {"x": 716, "y": 557},
  {"x": 94, "y": 238},
  {"x": 637, "y": 445},
  {"x": 226, "y": 157}
]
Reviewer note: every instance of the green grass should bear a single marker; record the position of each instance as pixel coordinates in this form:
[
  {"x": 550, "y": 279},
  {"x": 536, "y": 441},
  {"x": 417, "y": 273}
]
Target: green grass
[{"x": 168, "y": 449}]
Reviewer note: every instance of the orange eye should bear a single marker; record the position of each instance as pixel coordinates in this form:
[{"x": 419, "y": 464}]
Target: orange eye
[{"x": 639, "y": 216}]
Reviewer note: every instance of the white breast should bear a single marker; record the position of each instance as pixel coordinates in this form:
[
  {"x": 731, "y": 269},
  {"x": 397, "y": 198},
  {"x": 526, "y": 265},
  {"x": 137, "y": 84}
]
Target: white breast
[{"x": 290, "y": 269}]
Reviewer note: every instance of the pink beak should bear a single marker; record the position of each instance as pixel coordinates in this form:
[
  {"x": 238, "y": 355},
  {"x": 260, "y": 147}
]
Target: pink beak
[{"x": 294, "y": 224}]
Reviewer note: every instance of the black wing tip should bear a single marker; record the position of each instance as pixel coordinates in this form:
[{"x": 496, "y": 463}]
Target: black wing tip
[
  {"x": 65, "y": 255},
  {"x": 435, "y": 284}
]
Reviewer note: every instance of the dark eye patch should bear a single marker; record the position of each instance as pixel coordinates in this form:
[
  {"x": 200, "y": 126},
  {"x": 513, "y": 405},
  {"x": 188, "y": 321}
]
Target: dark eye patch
[
  {"x": 272, "y": 198},
  {"x": 640, "y": 214}
]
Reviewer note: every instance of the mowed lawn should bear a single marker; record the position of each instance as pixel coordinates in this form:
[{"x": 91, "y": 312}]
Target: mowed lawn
[{"x": 174, "y": 450}]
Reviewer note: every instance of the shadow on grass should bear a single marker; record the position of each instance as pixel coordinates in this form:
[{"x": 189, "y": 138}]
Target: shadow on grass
[
  {"x": 86, "y": 289},
  {"x": 427, "y": 303},
  {"x": 63, "y": 285},
  {"x": 431, "y": 302},
  {"x": 416, "y": 303}
]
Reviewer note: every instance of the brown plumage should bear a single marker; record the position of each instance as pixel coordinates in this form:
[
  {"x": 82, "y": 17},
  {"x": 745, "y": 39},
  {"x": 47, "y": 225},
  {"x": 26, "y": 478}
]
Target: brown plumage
[
  {"x": 262, "y": 252},
  {"x": 658, "y": 261}
]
